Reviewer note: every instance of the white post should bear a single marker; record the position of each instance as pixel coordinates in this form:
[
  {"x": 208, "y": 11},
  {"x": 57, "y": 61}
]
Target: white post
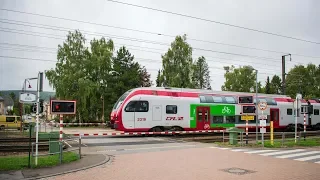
[
  {"x": 37, "y": 116},
  {"x": 296, "y": 121}
]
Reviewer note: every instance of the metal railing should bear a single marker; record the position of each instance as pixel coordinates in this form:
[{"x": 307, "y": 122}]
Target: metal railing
[{"x": 61, "y": 145}]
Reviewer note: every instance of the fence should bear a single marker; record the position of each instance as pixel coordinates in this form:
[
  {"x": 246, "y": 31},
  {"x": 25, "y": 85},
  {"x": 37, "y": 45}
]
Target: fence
[
  {"x": 280, "y": 139},
  {"x": 55, "y": 147}
]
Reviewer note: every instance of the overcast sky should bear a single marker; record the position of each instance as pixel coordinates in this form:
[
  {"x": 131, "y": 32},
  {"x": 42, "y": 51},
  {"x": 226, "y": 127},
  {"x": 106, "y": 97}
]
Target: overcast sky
[{"x": 295, "y": 18}]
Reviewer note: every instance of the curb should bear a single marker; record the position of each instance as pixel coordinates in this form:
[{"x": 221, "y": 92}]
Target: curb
[{"x": 106, "y": 160}]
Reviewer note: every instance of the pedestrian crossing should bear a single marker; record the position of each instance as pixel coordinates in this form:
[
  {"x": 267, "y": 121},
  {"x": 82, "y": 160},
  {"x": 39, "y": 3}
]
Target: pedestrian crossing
[{"x": 293, "y": 154}]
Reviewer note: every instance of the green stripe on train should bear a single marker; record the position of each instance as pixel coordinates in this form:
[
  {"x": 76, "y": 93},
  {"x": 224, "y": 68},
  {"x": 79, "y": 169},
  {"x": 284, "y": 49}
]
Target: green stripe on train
[{"x": 215, "y": 110}]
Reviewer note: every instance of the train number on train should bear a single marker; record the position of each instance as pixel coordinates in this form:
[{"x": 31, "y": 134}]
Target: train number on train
[
  {"x": 174, "y": 118},
  {"x": 141, "y": 119}
]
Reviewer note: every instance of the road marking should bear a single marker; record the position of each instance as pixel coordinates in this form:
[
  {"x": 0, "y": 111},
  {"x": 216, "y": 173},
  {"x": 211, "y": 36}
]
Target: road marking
[
  {"x": 282, "y": 152},
  {"x": 224, "y": 148},
  {"x": 259, "y": 151},
  {"x": 239, "y": 150},
  {"x": 148, "y": 148},
  {"x": 308, "y": 158},
  {"x": 318, "y": 162},
  {"x": 213, "y": 147},
  {"x": 298, "y": 154}
]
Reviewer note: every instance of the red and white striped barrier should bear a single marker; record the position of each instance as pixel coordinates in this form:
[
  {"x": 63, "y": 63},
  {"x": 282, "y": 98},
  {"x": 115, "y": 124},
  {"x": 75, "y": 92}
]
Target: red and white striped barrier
[
  {"x": 77, "y": 123},
  {"x": 145, "y": 133}
]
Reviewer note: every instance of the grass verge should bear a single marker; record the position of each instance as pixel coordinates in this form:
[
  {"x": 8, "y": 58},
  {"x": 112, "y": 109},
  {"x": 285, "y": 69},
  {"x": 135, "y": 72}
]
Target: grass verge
[
  {"x": 288, "y": 143},
  {"x": 21, "y": 162}
]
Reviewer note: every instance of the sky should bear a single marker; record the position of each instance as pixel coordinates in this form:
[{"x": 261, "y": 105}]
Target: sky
[{"x": 24, "y": 37}]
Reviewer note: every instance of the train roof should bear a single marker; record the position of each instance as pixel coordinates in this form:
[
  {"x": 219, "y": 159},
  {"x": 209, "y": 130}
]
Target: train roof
[{"x": 205, "y": 91}]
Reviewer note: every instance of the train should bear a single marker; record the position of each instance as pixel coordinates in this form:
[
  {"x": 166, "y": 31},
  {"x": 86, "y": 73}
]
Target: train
[{"x": 157, "y": 109}]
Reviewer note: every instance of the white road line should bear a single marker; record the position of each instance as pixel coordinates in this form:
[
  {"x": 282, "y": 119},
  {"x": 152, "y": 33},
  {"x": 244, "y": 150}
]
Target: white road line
[
  {"x": 318, "y": 162},
  {"x": 298, "y": 154},
  {"x": 239, "y": 150},
  {"x": 213, "y": 147},
  {"x": 224, "y": 148},
  {"x": 259, "y": 151},
  {"x": 308, "y": 158},
  {"x": 282, "y": 152},
  {"x": 149, "y": 148}
]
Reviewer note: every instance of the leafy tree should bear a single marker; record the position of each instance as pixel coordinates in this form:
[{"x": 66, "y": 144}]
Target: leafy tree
[
  {"x": 242, "y": 79},
  {"x": 177, "y": 64},
  {"x": 304, "y": 80},
  {"x": 201, "y": 74},
  {"x": 276, "y": 85}
]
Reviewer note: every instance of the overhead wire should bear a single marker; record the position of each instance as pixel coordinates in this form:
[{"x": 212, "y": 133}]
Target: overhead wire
[
  {"x": 148, "y": 32},
  {"x": 212, "y": 21}
]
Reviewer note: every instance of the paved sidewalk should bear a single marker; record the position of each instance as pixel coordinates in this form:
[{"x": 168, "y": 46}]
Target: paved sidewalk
[
  {"x": 198, "y": 163},
  {"x": 87, "y": 161}
]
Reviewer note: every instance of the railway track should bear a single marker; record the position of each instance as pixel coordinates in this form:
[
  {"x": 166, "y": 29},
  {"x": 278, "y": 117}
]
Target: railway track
[
  {"x": 6, "y": 140},
  {"x": 21, "y": 148}
]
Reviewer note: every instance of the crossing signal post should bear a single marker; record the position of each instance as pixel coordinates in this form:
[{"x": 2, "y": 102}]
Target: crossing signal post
[{"x": 62, "y": 107}]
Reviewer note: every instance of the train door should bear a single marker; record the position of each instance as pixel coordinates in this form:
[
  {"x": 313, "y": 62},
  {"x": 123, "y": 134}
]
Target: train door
[
  {"x": 274, "y": 116},
  {"x": 142, "y": 114},
  {"x": 128, "y": 115},
  {"x": 156, "y": 113},
  {"x": 203, "y": 118}
]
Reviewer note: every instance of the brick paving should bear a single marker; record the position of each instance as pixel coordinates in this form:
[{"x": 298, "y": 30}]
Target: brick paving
[{"x": 197, "y": 163}]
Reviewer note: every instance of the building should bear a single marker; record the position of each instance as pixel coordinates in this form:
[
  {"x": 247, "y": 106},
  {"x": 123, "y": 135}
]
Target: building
[{"x": 2, "y": 109}]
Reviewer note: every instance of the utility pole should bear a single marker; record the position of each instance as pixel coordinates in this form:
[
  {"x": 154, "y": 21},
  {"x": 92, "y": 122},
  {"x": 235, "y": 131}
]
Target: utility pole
[
  {"x": 256, "y": 106},
  {"x": 284, "y": 73}
]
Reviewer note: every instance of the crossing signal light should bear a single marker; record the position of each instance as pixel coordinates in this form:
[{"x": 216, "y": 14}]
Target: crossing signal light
[
  {"x": 248, "y": 109},
  {"x": 63, "y": 107},
  {"x": 246, "y": 100}
]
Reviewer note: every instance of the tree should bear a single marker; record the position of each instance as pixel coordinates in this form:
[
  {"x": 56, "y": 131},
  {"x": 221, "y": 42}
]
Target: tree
[
  {"x": 145, "y": 80},
  {"x": 80, "y": 74},
  {"x": 276, "y": 85},
  {"x": 268, "y": 86},
  {"x": 177, "y": 64},
  {"x": 201, "y": 74},
  {"x": 240, "y": 79},
  {"x": 304, "y": 80},
  {"x": 158, "y": 80}
]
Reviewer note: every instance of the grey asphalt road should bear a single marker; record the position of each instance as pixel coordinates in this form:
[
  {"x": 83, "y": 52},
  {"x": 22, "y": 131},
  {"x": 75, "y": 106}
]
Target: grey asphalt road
[{"x": 126, "y": 145}]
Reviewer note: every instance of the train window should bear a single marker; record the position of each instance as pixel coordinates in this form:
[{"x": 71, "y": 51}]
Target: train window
[
  {"x": 202, "y": 99},
  {"x": 217, "y": 99},
  {"x": 230, "y": 100},
  {"x": 199, "y": 115},
  {"x": 209, "y": 99},
  {"x": 10, "y": 119},
  {"x": 142, "y": 106},
  {"x": 217, "y": 119},
  {"x": 230, "y": 119},
  {"x": 171, "y": 109},
  {"x": 289, "y": 111},
  {"x": 315, "y": 111},
  {"x": 131, "y": 106},
  {"x": 137, "y": 106}
]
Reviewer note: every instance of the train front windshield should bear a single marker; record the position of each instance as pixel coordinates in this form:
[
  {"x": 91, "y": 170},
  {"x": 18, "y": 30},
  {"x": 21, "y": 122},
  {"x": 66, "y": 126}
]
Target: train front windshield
[{"x": 120, "y": 100}]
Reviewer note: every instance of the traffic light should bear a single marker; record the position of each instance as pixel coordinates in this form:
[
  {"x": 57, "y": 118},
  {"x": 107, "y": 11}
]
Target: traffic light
[
  {"x": 63, "y": 107},
  {"x": 248, "y": 109},
  {"x": 245, "y": 100}
]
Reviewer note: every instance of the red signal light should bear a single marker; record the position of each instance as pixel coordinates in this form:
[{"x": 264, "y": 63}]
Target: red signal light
[{"x": 57, "y": 107}]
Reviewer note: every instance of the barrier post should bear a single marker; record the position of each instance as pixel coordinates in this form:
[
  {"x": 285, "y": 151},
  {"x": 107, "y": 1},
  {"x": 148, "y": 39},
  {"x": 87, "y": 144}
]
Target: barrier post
[
  {"x": 80, "y": 146},
  {"x": 304, "y": 126},
  {"x": 271, "y": 132},
  {"x": 246, "y": 131},
  {"x": 61, "y": 128}
]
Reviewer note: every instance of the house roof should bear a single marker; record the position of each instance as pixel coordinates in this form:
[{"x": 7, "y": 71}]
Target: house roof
[{"x": 1, "y": 98}]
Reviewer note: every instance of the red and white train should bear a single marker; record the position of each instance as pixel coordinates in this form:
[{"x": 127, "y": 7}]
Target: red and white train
[{"x": 161, "y": 109}]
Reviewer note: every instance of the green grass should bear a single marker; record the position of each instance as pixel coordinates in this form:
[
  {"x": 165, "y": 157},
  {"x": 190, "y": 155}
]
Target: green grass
[
  {"x": 277, "y": 143},
  {"x": 309, "y": 142},
  {"x": 21, "y": 162}
]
